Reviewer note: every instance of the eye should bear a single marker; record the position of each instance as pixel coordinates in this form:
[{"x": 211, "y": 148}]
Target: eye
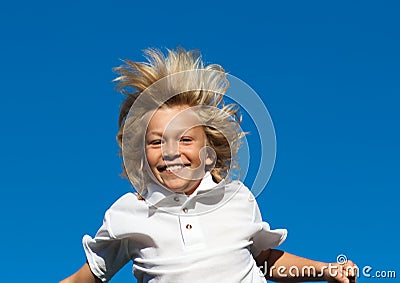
[
  {"x": 186, "y": 140},
  {"x": 155, "y": 142}
]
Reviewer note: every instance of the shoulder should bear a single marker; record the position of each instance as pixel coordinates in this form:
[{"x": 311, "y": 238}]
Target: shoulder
[
  {"x": 126, "y": 215},
  {"x": 127, "y": 202},
  {"x": 239, "y": 189},
  {"x": 240, "y": 196}
]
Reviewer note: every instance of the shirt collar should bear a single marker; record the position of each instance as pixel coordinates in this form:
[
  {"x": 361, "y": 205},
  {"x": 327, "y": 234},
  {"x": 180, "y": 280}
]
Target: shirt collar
[{"x": 157, "y": 195}]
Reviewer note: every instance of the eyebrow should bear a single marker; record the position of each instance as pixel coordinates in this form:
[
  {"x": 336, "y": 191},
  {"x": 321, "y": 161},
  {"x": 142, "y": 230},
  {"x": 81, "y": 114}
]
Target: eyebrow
[
  {"x": 157, "y": 133},
  {"x": 181, "y": 132}
]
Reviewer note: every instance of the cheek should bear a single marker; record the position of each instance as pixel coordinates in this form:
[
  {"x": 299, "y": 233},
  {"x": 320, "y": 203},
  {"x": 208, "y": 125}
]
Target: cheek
[
  {"x": 196, "y": 154},
  {"x": 152, "y": 156}
]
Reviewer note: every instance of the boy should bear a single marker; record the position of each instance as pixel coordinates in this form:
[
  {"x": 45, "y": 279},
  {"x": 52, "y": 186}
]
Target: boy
[{"x": 179, "y": 143}]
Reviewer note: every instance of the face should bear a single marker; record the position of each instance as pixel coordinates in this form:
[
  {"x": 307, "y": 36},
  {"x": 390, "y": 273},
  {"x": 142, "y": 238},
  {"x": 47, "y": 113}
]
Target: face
[{"x": 176, "y": 148}]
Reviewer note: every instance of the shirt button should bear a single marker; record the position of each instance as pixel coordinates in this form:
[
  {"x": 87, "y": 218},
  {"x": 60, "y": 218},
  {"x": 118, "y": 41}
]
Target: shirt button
[
  {"x": 176, "y": 198},
  {"x": 189, "y": 226},
  {"x": 185, "y": 210}
]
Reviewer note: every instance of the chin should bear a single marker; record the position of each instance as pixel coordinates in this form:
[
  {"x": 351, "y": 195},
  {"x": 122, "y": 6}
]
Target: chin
[{"x": 179, "y": 188}]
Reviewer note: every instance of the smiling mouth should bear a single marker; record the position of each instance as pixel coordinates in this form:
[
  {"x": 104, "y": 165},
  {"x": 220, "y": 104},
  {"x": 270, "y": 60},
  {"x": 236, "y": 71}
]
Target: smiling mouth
[{"x": 172, "y": 168}]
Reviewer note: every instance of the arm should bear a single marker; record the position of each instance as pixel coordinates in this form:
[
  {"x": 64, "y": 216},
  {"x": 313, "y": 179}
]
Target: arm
[
  {"x": 285, "y": 267},
  {"x": 83, "y": 275}
]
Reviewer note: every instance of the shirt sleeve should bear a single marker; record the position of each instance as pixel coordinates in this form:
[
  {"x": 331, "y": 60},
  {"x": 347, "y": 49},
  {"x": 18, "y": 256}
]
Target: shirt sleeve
[
  {"x": 105, "y": 253},
  {"x": 265, "y": 238}
]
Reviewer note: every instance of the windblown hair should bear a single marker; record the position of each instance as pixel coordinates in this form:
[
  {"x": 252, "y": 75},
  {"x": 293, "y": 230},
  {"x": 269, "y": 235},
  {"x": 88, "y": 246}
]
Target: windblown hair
[{"x": 175, "y": 79}]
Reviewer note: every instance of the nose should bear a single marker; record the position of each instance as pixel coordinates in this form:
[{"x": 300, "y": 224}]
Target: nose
[{"x": 170, "y": 150}]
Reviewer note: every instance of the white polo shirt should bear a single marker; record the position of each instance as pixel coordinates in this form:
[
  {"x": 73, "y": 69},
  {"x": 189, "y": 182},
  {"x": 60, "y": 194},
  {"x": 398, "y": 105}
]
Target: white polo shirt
[{"x": 208, "y": 236}]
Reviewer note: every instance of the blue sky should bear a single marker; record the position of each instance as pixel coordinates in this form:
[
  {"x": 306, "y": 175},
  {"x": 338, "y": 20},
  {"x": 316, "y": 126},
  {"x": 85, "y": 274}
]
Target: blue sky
[{"x": 328, "y": 72}]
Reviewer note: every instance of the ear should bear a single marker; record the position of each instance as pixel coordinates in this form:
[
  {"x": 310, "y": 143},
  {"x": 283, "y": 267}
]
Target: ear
[
  {"x": 211, "y": 156},
  {"x": 209, "y": 161}
]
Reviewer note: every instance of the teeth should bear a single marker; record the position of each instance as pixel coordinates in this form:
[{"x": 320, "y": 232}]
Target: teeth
[{"x": 174, "y": 167}]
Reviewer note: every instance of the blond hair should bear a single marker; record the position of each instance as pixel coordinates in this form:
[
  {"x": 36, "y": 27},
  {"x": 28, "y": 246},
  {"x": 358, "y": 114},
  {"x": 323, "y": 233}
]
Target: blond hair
[{"x": 178, "y": 78}]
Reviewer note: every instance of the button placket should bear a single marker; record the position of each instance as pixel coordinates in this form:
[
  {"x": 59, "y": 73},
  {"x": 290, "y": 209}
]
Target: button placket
[{"x": 191, "y": 231}]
